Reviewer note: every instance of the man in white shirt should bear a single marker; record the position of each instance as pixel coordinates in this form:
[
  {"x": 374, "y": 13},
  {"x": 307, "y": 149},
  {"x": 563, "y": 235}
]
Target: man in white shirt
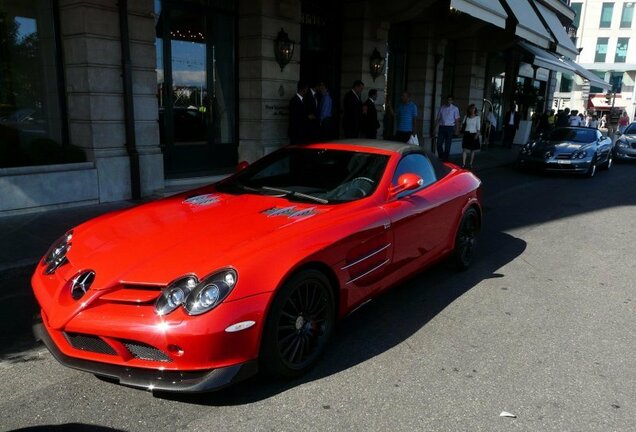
[
  {"x": 575, "y": 120},
  {"x": 491, "y": 125},
  {"x": 510, "y": 126},
  {"x": 447, "y": 123}
]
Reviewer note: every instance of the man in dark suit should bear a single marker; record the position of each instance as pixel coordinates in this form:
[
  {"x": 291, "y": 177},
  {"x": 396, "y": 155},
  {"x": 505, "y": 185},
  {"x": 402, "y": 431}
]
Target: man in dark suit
[
  {"x": 352, "y": 115},
  {"x": 298, "y": 116},
  {"x": 370, "y": 123},
  {"x": 312, "y": 103},
  {"x": 510, "y": 125}
]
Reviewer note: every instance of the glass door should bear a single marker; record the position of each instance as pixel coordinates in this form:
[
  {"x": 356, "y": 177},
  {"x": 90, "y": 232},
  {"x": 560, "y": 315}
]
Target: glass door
[{"x": 196, "y": 88}]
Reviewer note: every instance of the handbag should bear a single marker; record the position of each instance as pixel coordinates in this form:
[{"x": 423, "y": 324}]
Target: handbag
[
  {"x": 463, "y": 126},
  {"x": 413, "y": 140}
]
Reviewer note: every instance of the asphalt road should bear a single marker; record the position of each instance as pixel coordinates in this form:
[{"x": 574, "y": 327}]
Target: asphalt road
[{"x": 542, "y": 326}]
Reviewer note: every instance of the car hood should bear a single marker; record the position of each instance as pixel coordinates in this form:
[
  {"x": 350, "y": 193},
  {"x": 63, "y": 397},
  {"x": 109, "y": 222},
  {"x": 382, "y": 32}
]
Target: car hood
[
  {"x": 561, "y": 146},
  {"x": 200, "y": 232},
  {"x": 630, "y": 137}
]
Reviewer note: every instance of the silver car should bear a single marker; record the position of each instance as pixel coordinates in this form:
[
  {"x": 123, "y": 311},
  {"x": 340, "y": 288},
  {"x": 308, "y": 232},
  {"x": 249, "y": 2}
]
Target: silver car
[
  {"x": 568, "y": 149},
  {"x": 625, "y": 145}
]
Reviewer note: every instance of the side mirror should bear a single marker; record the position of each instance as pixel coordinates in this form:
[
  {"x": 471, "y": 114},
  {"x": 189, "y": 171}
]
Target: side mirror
[
  {"x": 406, "y": 182},
  {"x": 242, "y": 165}
]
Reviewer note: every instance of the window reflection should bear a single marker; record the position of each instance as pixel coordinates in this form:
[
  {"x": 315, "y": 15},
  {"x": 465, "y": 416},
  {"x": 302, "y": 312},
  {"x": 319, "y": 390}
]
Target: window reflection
[
  {"x": 30, "y": 124},
  {"x": 196, "y": 105}
]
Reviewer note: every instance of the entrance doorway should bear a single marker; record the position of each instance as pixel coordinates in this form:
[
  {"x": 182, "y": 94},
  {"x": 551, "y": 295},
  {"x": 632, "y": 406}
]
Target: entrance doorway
[
  {"x": 321, "y": 41},
  {"x": 196, "y": 87}
]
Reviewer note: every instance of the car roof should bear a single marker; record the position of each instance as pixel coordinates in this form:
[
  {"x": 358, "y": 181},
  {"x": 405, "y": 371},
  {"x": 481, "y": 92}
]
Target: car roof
[
  {"x": 383, "y": 146},
  {"x": 576, "y": 127},
  {"x": 362, "y": 144}
]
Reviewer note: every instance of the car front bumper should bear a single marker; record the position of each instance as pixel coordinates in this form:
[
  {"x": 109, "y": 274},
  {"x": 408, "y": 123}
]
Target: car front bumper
[
  {"x": 197, "y": 381},
  {"x": 555, "y": 165},
  {"x": 625, "y": 153}
]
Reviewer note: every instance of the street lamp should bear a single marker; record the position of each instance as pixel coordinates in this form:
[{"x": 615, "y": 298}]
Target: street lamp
[
  {"x": 283, "y": 49},
  {"x": 376, "y": 64}
]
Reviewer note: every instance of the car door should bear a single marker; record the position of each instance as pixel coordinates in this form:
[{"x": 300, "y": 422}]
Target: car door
[{"x": 418, "y": 219}]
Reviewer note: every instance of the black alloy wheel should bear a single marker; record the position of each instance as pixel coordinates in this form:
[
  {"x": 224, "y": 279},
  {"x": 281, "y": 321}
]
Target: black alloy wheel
[
  {"x": 466, "y": 239},
  {"x": 299, "y": 325}
]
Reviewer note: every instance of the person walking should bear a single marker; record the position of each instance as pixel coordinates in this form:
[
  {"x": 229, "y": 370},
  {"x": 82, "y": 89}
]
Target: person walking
[
  {"x": 623, "y": 122},
  {"x": 593, "y": 123},
  {"x": 574, "y": 119},
  {"x": 510, "y": 126},
  {"x": 489, "y": 127},
  {"x": 470, "y": 139},
  {"x": 370, "y": 123},
  {"x": 352, "y": 115},
  {"x": 405, "y": 114},
  {"x": 447, "y": 124}
]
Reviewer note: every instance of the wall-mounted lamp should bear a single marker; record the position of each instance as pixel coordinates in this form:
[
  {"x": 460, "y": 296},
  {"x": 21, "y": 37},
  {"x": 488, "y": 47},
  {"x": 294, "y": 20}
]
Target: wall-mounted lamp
[
  {"x": 376, "y": 64},
  {"x": 283, "y": 49}
]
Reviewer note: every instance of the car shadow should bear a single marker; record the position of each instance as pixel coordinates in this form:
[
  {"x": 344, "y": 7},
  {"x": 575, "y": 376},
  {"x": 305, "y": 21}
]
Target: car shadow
[
  {"x": 18, "y": 309},
  {"x": 68, "y": 427},
  {"x": 382, "y": 324}
]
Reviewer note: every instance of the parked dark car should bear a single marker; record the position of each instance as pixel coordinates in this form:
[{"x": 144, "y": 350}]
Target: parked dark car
[
  {"x": 625, "y": 146},
  {"x": 568, "y": 149}
]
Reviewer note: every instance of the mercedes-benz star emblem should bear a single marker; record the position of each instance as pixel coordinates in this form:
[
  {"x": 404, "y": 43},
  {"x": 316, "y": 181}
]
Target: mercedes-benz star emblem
[{"x": 82, "y": 283}]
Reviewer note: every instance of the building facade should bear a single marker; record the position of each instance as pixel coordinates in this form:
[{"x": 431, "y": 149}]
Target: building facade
[
  {"x": 605, "y": 36},
  {"x": 104, "y": 100}
]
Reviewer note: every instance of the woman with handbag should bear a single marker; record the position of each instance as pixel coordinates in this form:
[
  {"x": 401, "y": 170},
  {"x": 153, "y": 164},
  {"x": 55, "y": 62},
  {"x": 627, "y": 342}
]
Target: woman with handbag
[{"x": 471, "y": 135}]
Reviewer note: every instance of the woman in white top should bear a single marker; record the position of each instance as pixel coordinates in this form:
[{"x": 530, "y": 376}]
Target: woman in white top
[{"x": 470, "y": 141}]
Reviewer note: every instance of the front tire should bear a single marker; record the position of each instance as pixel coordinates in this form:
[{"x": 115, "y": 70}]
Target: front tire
[
  {"x": 592, "y": 169},
  {"x": 608, "y": 163},
  {"x": 299, "y": 325},
  {"x": 466, "y": 239}
]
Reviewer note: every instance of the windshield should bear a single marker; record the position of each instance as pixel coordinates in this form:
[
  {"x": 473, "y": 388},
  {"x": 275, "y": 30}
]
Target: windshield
[
  {"x": 308, "y": 174},
  {"x": 573, "y": 135},
  {"x": 631, "y": 129}
]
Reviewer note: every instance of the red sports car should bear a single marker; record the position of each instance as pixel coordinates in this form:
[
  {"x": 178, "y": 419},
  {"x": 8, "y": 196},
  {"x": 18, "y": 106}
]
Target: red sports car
[{"x": 200, "y": 290}]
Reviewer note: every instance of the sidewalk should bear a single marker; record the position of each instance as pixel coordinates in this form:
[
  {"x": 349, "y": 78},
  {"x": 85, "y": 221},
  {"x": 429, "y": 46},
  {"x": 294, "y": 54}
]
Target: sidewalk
[
  {"x": 492, "y": 158},
  {"x": 24, "y": 239}
]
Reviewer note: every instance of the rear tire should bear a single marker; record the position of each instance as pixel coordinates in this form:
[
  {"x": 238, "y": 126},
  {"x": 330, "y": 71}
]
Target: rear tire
[
  {"x": 299, "y": 325},
  {"x": 466, "y": 239}
]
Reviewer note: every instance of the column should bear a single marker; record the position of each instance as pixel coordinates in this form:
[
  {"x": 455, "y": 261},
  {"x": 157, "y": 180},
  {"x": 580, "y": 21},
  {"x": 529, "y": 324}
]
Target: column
[{"x": 265, "y": 90}]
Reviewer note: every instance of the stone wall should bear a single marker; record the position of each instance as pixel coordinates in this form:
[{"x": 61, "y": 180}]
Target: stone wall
[
  {"x": 265, "y": 90},
  {"x": 92, "y": 62}
]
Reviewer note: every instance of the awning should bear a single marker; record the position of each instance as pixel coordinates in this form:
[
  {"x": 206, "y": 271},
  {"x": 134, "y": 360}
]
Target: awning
[
  {"x": 586, "y": 74},
  {"x": 529, "y": 27},
  {"x": 489, "y": 11},
  {"x": 546, "y": 59},
  {"x": 564, "y": 45},
  {"x": 599, "y": 101}
]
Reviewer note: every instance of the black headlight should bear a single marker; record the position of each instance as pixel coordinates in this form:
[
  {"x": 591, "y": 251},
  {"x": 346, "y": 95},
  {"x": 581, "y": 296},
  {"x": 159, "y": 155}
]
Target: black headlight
[
  {"x": 175, "y": 294},
  {"x": 210, "y": 292},
  {"x": 56, "y": 255},
  {"x": 196, "y": 297}
]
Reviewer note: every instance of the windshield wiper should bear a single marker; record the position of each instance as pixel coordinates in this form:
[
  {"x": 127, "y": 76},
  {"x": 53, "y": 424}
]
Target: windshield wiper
[
  {"x": 239, "y": 186},
  {"x": 295, "y": 194}
]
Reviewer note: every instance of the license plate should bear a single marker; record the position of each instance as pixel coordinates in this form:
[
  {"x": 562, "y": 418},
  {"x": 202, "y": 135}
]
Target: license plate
[{"x": 564, "y": 162}]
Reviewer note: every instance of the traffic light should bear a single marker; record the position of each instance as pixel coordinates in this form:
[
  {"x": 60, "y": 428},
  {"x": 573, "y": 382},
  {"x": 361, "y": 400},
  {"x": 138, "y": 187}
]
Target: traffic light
[{"x": 608, "y": 98}]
